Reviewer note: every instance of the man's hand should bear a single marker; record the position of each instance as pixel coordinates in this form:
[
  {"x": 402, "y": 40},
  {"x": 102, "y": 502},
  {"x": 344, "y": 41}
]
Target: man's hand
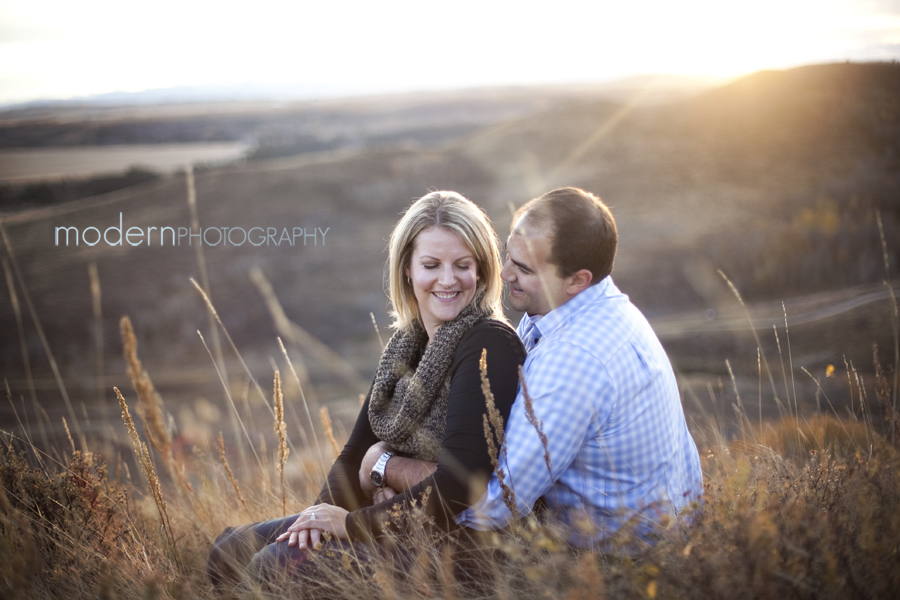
[
  {"x": 368, "y": 463},
  {"x": 382, "y": 494}
]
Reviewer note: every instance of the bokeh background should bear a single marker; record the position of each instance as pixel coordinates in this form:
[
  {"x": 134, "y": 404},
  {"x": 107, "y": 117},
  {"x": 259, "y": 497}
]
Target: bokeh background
[{"x": 753, "y": 144}]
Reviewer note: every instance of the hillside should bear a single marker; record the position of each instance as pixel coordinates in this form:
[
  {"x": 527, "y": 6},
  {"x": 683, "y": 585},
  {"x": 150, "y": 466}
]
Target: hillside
[
  {"x": 795, "y": 162},
  {"x": 773, "y": 178},
  {"x": 423, "y": 117}
]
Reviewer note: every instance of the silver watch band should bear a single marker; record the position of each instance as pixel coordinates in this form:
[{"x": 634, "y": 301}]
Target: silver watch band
[{"x": 378, "y": 470}]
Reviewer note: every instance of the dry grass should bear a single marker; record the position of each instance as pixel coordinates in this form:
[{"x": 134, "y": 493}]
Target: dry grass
[
  {"x": 804, "y": 507},
  {"x": 535, "y": 422},
  {"x": 325, "y": 417},
  {"x": 281, "y": 432},
  {"x": 230, "y": 474},
  {"x": 496, "y": 440}
]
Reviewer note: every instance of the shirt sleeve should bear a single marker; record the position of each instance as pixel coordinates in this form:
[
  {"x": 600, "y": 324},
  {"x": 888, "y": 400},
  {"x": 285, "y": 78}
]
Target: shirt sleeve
[
  {"x": 464, "y": 464},
  {"x": 342, "y": 484},
  {"x": 571, "y": 396}
]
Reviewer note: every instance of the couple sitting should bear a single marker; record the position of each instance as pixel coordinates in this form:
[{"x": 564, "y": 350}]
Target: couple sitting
[{"x": 598, "y": 378}]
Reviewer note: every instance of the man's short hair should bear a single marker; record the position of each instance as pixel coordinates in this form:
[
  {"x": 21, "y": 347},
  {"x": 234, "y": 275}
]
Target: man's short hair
[{"x": 581, "y": 228}]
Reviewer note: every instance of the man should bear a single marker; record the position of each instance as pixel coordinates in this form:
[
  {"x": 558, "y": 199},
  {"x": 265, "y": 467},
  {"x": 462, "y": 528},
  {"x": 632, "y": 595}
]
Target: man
[{"x": 599, "y": 381}]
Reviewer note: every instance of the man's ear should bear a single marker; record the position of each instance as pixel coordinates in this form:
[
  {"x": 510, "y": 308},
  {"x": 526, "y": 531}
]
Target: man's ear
[{"x": 578, "y": 282}]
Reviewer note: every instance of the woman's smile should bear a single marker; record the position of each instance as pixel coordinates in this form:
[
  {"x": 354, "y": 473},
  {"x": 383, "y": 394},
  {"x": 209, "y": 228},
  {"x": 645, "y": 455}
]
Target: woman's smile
[{"x": 443, "y": 273}]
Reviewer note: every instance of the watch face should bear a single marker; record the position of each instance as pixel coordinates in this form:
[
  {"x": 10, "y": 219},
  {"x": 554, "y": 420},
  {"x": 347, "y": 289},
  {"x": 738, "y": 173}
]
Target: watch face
[{"x": 378, "y": 479}]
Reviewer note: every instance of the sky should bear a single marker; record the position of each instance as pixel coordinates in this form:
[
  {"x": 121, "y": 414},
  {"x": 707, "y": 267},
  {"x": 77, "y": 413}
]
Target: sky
[{"x": 59, "y": 49}]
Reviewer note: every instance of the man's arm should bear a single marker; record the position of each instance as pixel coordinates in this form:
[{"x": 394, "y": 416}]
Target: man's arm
[
  {"x": 568, "y": 388},
  {"x": 400, "y": 474}
]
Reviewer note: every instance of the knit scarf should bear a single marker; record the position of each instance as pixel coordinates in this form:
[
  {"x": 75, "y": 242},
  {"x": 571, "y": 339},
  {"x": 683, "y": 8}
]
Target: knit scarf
[{"x": 408, "y": 406}]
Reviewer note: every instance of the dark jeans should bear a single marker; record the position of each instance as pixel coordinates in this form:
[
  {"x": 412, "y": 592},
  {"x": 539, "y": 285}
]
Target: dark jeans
[{"x": 248, "y": 557}]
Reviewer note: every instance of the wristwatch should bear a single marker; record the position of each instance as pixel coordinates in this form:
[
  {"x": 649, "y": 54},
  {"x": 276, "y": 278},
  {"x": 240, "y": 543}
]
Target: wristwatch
[{"x": 378, "y": 469}]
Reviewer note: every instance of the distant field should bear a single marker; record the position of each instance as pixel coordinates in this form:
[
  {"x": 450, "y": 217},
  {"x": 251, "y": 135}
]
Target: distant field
[
  {"x": 784, "y": 181},
  {"x": 23, "y": 164}
]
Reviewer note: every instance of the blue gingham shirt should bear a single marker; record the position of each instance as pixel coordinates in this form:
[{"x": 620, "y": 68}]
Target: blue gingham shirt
[{"x": 603, "y": 387}]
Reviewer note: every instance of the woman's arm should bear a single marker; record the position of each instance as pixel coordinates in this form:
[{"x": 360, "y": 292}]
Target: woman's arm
[
  {"x": 341, "y": 491},
  {"x": 464, "y": 464},
  {"x": 342, "y": 485}
]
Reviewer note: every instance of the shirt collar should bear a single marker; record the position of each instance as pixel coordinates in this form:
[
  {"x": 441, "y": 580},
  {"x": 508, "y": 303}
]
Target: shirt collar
[{"x": 553, "y": 320}]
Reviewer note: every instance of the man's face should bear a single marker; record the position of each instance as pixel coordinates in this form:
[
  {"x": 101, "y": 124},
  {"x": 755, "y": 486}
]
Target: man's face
[{"x": 534, "y": 285}]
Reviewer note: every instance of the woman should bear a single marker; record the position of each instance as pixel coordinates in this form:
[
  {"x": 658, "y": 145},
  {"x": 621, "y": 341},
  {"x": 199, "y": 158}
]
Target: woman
[{"x": 420, "y": 432}]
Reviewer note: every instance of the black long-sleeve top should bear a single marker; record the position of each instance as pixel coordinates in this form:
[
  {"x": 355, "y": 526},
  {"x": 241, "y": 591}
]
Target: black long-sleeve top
[{"x": 464, "y": 465}]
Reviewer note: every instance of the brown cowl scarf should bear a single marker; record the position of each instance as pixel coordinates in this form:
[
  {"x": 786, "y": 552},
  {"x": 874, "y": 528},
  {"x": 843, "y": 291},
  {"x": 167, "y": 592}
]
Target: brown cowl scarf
[{"x": 408, "y": 407}]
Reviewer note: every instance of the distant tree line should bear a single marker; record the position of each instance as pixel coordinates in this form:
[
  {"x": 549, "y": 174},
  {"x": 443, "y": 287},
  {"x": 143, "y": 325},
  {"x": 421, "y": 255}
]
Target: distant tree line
[
  {"x": 21, "y": 196},
  {"x": 280, "y": 146},
  {"x": 92, "y": 133},
  {"x": 827, "y": 240}
]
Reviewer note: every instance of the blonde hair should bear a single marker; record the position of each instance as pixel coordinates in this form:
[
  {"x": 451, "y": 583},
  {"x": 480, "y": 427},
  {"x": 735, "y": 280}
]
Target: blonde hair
[{"x": 463, "y": 217}]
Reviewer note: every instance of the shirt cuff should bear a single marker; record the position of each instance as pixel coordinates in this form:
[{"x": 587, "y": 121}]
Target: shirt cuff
[{"x": 358, "y": 528}]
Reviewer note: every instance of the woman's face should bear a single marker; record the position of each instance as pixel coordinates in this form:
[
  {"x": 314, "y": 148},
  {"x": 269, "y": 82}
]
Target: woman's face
[{"x": 443, "y": 273}]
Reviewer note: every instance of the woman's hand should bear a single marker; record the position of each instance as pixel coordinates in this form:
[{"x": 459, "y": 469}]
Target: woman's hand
[
  {"x": 312, "y": 522},
  {"x": 306, "y": 538},
  {"x": 368, "y": 463}
]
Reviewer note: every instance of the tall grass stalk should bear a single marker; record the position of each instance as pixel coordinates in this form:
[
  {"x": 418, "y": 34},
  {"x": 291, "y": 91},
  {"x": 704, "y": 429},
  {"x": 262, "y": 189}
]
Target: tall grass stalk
[
  {"x": 151, "y": 405},
  {"x": 215, "y": 314},
  {"x": 377, "y": 331},
  {"x": 787, "y": 393},
  {"x": 759, "y": 397},
  {"x": 864, "y": 403},
  {"x": 68, "y": 434},
  {"x": 532, "y": 418},
  {"x": 99, "y": 366},
  {"x": 153, "y": 484},
  {"x": 309, "y": 419},
  {"x": 883, "y": 393},
  {"x": 895, "y": 317},
  {"x": 496, "y": 440},
  {"x": 26, "y": 431},
  {"x": 207, "y": 294},
  {"x": 40, "y": 331},
  {"x": 230, "y": 475},
  {"x": 298, "y": 424},
  {"x": 833, "y": 409},
  {"x": 739, "y": 406},
  {"x": 281, "y": 432},
  {"x": 151, "y": 410},
  {"x": 262, "y": 395},
  {"x": 740, "y": 300},
  {"x": 787, "y": 335},
  {"x": 301, "y": 338},
  {"x": 243, "y": 427},
  {"x": 23, "y": 346},
  {"x": 329, "y": 430}
]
